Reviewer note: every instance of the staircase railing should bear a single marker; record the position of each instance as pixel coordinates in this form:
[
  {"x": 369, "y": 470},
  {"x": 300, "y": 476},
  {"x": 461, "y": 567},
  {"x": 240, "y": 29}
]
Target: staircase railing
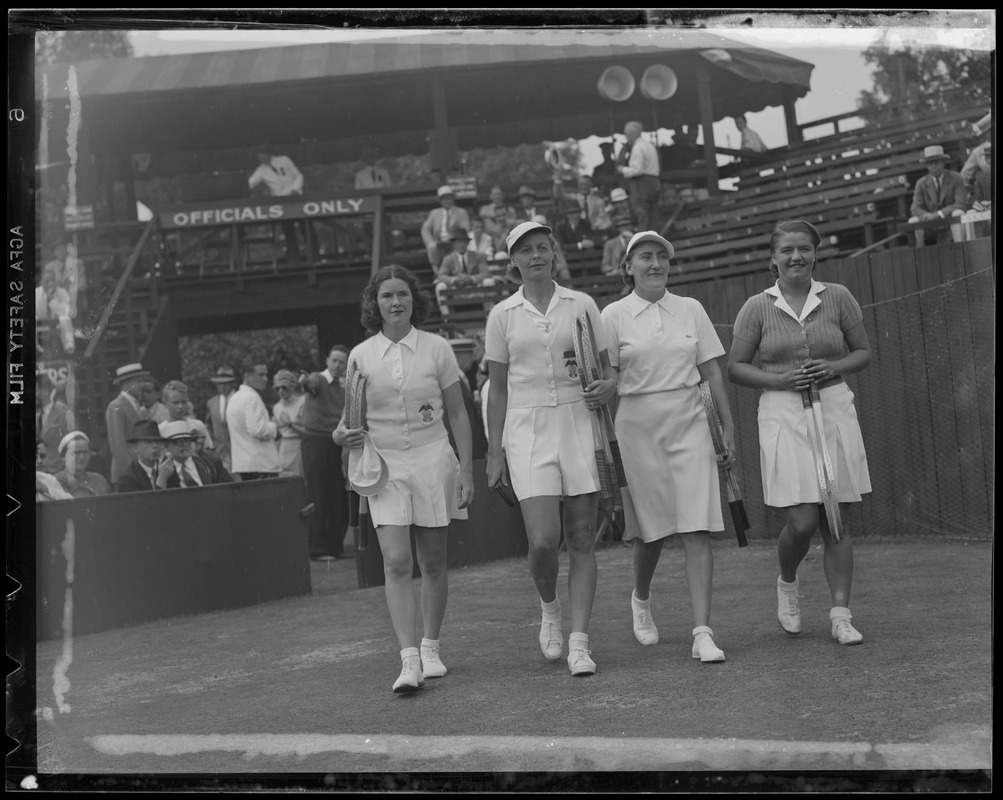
[{"x": 120, "y": 287}]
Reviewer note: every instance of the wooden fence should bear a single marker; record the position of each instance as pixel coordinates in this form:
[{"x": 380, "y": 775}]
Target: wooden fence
[{"x": 926, "y": 402}]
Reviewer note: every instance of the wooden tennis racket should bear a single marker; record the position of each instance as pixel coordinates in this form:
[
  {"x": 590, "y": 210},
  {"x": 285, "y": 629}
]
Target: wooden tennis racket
[
  {"x": 812, "y": 402},
  {"x": 736, "y": 505}
]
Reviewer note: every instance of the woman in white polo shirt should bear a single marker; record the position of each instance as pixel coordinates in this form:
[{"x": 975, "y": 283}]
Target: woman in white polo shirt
[
  {"x": 663, "y": 346},
  {"x": 540, "y": 433},
  {"x": 412, "y": 379}
]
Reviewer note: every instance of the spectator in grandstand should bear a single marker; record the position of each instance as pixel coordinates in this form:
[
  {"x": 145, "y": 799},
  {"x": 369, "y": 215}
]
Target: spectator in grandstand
[
  {"x": 437, "y": 229},
  {"x": 573, "y": 232},
  {"x": 175, "y": 394},
  {"x": 939, "y": 194},
  {"x": 497, "y": 216},
  {"x": 288, "y": 415},
  {"x": 225, "y": 382},
  {"x": 620, "y": 210},
  {"x": 547, "y": 450},
  {"x": 404, "y": 463},
  {"x": 122, "y": 413},
  {"x": 480, "y": 240},
  {"x": 278, "y": 176},
  {"x": 463, "y": 349},
  {"x": 46, "y": 485},
  {"x": 143, "y": 471},
  {"x": 682, "y": 152},
  {"x": 663, "y": 346},
  {"x": 527, "y": 210},
  {"x": 982, "y": 191},
  {"x": 70, "y": 275},
  {"x": 614, "y": 250},
  {"x": 325, "y": 482},
  {"x": 643, "y": 174},
  {"x": 592, "y": 209},
  {"x": 371, "y": 176},
  {"x": 751, "y": 143},
  {"x": 53, "y": 419},
  {"x": 254, "y": 451},
  {"x": 828, "y": 321},
  {"x": 976, "y": 161},
  {"x": 152, "y": 408},
  {"x": 75, "y": 448},
  {"x": 183, "y": 467},
  {"x": 604, "y": 176},
  {"x": 461, "y": 268},
  {"x": 52, "y": 306}
]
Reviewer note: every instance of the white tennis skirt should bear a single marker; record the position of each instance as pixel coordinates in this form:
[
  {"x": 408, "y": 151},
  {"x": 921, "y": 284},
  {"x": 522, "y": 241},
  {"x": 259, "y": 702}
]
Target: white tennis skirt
[
  {"x": 786, "y": 457},
  {"x": 422, "y": 488},
  {"x": 668, "y": 457},
  {"x": 551, "y": 451}
]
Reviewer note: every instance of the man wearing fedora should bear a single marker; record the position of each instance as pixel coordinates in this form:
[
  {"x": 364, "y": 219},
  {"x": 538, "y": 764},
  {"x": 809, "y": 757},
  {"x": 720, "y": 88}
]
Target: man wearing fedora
[
  {"x": 437, "y": 229},
  {"x": 527, "y": 211},
  {"x": 183, "y": 468},
  {"x": 122, "y": 414},
  {"x": 143, "y": 471},
  {"x": 939, "y": 194},
  {"x": 225, "y": 380},
  {"x": 496, "y": 216}
]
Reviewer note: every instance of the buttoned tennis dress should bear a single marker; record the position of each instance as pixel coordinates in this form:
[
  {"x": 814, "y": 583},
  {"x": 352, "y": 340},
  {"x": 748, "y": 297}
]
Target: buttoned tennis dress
[
  {"x": 404, "y": 409},
  {"x": 668, "y": 454},
  {"x": 548, "y": 437},
  {"x": 784, "y": 340}
]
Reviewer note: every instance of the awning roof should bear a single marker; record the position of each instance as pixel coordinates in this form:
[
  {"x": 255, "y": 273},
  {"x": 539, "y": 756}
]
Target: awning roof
[
  {"x": 408, "y": 53},
  {"x": 501, "y": 87}
]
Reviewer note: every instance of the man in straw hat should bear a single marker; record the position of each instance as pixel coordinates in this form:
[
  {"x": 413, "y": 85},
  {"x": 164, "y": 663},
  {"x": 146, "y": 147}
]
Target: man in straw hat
[
  {"x": 225, "y": 381},
  {"x": 527, "y": 211},
  {"x": 437, "y": 229},
  {"x": 938, "y": 195},
  {"x": 976, "y": 164},
  {"x": 184, "y": 468},
  {"x": 122, "y": 414},
  {"x": 144, "y": 469},
  {"x": 462, "y": 267}
]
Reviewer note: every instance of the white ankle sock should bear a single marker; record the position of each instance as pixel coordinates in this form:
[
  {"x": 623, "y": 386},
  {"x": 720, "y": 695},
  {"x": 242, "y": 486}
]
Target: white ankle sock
[
  {"x": 578, "y": 641},
  {"x": 787, "y": 587},
  {"x": 645, "y": 604},
  {"x": 552, "y": 610},
  {"x": 430, "y": 643},
  {"x": 838, "y": 612},
  {"x": 409, "y": 651}
]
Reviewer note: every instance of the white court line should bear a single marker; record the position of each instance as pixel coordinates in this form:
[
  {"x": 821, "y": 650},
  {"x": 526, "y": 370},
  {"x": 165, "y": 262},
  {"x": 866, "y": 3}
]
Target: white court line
[{"x": 541, "y": 753}]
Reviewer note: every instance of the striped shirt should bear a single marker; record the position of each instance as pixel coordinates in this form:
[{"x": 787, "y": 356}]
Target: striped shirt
[{"x": 784, "y": 341}]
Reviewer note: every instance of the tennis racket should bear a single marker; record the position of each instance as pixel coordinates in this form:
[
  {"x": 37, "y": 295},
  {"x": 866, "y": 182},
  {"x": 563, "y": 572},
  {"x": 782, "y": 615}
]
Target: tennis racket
[
  {"x": 812, "y": 402},
  {"x": 736, "y": 505}
]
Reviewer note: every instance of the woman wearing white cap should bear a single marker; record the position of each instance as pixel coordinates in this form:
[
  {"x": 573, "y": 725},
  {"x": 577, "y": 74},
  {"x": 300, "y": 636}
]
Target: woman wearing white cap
[
  {"x": 75, "y": 448},
  {"x": 412, "y": 380},
  {"x": 664, "y": 346},
  {"x": 540, "y": 434},
  {"x": 804, "y": 334}
]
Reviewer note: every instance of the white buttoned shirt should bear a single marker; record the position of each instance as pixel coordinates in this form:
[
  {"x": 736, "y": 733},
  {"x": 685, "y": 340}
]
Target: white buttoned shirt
[{"x": 538, "y": 348}]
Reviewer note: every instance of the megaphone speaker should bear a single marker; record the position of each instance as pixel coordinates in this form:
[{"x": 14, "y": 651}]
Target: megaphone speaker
[
  {"x": 616, "y": 83},
  {"x": 659, "y": 82}
]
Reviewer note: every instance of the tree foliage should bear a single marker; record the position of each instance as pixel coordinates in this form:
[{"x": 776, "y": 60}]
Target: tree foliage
[
  {"x": 927, "y": 80},
  {"x": 279, "y": 348},
  {"x": 60, "y": 47}
]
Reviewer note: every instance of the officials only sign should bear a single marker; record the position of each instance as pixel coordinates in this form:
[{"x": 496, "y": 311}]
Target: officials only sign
[{"x": 228, "y": 212}]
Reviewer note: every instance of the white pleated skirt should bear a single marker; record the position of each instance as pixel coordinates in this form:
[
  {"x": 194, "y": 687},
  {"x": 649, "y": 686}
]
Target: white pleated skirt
[
  {"x": 668, "y": 457},
  {"x": 551, "y": 451},
  {"x": 422, "y": 488},
  {"x": 786, "y": 457}
]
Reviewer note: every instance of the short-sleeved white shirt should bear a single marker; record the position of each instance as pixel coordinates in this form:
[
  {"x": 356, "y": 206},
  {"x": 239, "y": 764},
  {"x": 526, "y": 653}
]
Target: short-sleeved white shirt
[
  {"x": 539, "y": 348},
  {"x": 657, "y": 346}
]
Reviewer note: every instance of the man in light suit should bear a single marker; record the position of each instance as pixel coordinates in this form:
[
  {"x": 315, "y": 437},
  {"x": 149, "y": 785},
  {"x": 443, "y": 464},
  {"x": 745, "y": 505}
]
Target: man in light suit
[
  {"x": 122, "y": 414},
  {"x": 183, "y": 468},
  {"x": 938, "y": 195},
  {"x": 437, "y": 229},
  {"x": 226, "y": 384}
]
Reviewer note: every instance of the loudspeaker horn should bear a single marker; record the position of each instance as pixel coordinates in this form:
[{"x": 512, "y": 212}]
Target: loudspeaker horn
[
  {"x": 659, "y": 82},
  {"x": 616, "y": 83}
]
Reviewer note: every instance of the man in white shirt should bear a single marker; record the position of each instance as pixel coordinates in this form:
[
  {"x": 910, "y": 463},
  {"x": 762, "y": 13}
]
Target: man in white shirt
[
  {"x": 371, "y": 176},
  {"x": 254, "y": 451},
  {"x": 751, "y": 143},
  {"x": 437, "y": 229},
  {"x": 278, "y": 176},
  {"x": 643, "y": 175}
]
